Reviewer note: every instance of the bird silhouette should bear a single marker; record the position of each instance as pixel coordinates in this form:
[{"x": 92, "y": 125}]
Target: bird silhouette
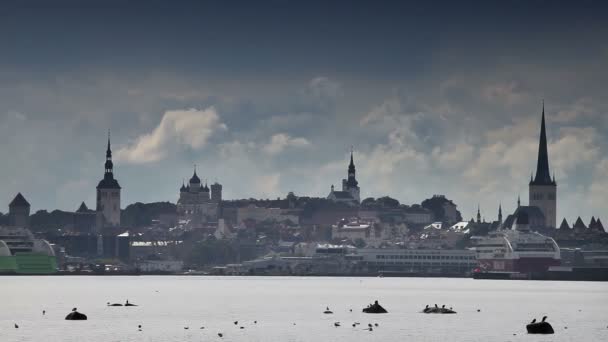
[
  {"x": 336, "y": 324},
  {"x": 236, "y": 322},
  {"x": 16, "y": 326},
  {"x": 220, "y": 334}
]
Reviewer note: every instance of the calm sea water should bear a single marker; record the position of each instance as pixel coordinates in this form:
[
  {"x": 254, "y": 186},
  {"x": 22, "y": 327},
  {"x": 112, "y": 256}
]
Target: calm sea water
[{"x": 290, "y": 309}]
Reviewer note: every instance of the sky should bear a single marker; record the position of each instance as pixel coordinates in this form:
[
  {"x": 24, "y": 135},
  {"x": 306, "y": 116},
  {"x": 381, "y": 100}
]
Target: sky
[{"x": 268, "y": 97}]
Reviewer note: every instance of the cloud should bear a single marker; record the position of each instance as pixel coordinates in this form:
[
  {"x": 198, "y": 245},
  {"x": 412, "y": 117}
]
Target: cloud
[
  {"x": 321, "y": 94},
  {"x": 279, "y": 142},
  {"x": 509, "y": 93},
  {"x": 267, "y": 185},
  {"x": 191, "y": 128}
]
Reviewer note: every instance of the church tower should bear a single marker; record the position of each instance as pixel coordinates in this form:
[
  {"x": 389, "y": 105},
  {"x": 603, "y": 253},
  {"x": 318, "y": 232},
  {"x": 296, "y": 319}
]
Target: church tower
[
  {"x": 500, "y": 215},
  {"x": 108, "y": 195},
  {"x": 350, "y": 184},
  {"x": 543, "y": 189}
]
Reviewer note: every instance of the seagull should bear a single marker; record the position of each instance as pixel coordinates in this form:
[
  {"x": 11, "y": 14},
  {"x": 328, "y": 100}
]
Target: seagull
[
  {"x": 220, "y": 334},
  {"x": 186, "y": 328},
  {"x": 242, "y": 327},
  {"x": 43, "y": 312},
  {"x": 255, "y": 322},
  {"x": 336, "y": 324},
  {"x": 16, "y": 326},
  {"x": 236, "y": 322},
  {"x": 376, "y": 324}
]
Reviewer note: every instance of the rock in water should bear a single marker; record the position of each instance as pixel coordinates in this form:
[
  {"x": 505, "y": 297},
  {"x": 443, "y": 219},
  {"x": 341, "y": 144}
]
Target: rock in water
[
  {"x": 539, "y": 328},
  {"x": 76, "y": 316},
  {"x": 375, "y": 308}
]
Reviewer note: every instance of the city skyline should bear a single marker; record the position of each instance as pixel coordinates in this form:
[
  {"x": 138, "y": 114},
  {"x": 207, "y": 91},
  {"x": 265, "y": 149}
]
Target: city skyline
[{"x": 427, "y": 111}]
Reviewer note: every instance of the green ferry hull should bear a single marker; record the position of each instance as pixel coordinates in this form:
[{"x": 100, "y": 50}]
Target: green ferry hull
[{"x": 28, "y": 263}]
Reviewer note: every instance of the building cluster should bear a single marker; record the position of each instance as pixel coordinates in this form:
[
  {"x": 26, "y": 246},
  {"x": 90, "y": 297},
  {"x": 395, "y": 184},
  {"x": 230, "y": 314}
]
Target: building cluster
[{"x": 341, "y": 233}]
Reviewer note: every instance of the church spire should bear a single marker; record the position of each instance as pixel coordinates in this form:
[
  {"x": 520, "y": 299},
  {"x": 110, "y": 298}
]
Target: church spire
[
  {"x": 478, "y": 214},
  {"x": 109, "y": 166},
  {"x": 543, "y": 176},
  {"x": 351, "y": 166},
  {"x": 518, "y": 201},
  {"x": 108, "y": 150}
]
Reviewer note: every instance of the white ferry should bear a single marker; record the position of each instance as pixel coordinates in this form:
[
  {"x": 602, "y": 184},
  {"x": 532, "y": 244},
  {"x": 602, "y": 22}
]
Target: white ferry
[{"x": 517, "y": 250}]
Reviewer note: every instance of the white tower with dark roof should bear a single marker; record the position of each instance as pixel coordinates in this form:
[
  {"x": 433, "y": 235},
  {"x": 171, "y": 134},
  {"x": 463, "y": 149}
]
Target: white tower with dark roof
[{"x": 543, "y": 189}]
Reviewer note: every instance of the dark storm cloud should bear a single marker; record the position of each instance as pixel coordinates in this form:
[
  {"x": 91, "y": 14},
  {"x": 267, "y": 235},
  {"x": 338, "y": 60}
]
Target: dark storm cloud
[{"x": 435, "y": 97}]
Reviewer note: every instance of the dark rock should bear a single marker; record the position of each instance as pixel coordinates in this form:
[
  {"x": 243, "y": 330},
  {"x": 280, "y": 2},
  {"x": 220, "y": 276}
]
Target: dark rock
[
  {"x": 436, "y": 310},
  {"x": 539, "y": 328},
  {"x": 375, "y": 309},
  {"x": 76, "y": 316}
]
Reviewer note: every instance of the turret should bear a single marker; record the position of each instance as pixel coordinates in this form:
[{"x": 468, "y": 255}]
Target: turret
[
  {"x": 216, "y": 192},
  {"x": 19, "y": 212}
]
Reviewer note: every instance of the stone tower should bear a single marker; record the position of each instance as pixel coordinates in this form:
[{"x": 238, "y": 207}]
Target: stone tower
[
  {"x": 543, "y": 189},
  {"x": 108, "y": 195},
  {"x": 216, "y": 192},
  {"x": 19, "y": 212},
  {"x": 350, "y": 184}
]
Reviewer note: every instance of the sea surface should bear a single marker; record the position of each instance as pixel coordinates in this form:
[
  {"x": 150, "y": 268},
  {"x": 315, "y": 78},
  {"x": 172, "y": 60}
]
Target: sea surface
[{"x": 291, "y": 309}]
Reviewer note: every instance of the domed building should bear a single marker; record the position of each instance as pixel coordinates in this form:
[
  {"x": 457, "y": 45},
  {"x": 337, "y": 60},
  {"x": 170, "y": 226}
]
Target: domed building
[{"x": 199, "y": 203}]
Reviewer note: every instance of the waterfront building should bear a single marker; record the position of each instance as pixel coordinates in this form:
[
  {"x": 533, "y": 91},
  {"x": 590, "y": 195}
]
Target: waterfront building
[
  {"x": 350, "y": 187},
  {"x": 20, "y": 252},
  {"x": 355, "y": 229},
  {"x": 415, "y": 261}
]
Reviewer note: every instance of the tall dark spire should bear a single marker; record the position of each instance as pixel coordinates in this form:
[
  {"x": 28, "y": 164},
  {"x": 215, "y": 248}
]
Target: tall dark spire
[
  {"x": 543, "y": 176},
  {"x": 108, "y": 181},
  {"x": 352, "y": 179},
  {"x": 351, "y": 166},
  {"x": 109, "y": 165},
  {"x": 109, "y": 150}
]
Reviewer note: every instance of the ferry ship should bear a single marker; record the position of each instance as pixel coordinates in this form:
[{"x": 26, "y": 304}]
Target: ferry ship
[
  {"x": 20, "y": 253},
  {"x": 517, "y": 250}
]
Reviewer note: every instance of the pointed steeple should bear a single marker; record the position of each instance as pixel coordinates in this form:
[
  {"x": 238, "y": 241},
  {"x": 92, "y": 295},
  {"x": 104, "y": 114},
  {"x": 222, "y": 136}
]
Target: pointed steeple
[
  {"x": 478, "y": 214},
  {"x": 543, "y": 175},
  {"x": 599, "y": 226},
  {"x": 592, "y": 223},
  {"x": 500, "y": 213},
  {"x": 109, "y": 166},
  {"x": 352, "y": 180},
  {"x": 564, "y": 225},
  {"x": 108, "y": 181},
  {"x": 351, "y": 166},
  {"x": 195, "y": 179},
  {"x": 579, "y": 225},
  {"x": 518, "y": 201},
  {"x": 109, "y": 149}
]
